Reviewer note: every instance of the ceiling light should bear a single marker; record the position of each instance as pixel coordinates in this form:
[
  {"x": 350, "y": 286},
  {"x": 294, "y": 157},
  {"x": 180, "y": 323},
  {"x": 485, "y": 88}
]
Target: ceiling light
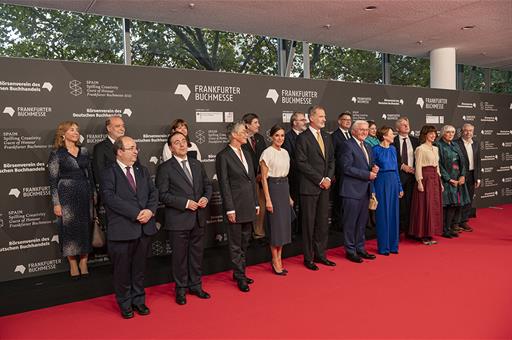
[
  {"x": 419, "y": 42},
  {"x": 468, "y": 27},
  {"x": 370, "y": 8},
  {"x": 191, "y": 5},
  {"x": 327, "y": 26}
]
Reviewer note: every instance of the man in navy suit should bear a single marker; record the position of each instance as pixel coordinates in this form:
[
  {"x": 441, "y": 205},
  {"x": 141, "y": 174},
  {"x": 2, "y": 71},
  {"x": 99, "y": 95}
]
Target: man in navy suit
[
  {"x": 339, "y": 137},
  {"x": 315, "y": 161},
  {"x": 185, "y": 189},
  {"x": 130, "y": 200},
  {"x": 359, "y": 171},
  {"x": 237, "y": 184}
]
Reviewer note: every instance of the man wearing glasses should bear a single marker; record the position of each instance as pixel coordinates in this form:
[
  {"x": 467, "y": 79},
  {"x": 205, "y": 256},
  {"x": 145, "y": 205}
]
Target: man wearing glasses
[{"x": 130, "y": 200}]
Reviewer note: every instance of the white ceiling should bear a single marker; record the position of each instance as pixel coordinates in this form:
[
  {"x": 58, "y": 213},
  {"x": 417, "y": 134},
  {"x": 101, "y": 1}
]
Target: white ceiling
[{"x": 396, "y": 26}]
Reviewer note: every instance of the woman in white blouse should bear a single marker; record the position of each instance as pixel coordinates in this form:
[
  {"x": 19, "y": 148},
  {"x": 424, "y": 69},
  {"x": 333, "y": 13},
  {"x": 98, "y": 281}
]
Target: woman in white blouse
[
  {"x": 180, "y": 125},
  {"x": 427, "y": 204},
  {"x": 275, "y": 165}
]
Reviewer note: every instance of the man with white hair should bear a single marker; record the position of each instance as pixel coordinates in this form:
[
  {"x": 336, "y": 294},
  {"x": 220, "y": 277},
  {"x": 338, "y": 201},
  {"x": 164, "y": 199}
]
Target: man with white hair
[
  {"x": 359, "y": 171},
  {"x": 471, "y": 152}
]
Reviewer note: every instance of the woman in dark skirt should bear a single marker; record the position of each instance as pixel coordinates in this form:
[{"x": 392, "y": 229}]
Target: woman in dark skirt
[
  {"x": 275, "y": 164},
  {"x": 72, "y": 189},
  {"x": 427, "y": 205}
]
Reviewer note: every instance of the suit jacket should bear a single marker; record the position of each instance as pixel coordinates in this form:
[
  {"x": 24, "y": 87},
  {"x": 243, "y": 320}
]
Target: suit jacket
[
  {"x": 356, "y": 170},
  {"x": 338, "y": 140},
  {"x": 123, "y": 204},
  {"x": 103, "y": 157},
  {"x": 255, "y": 154},
  {"x": 237, "y": 186},
  {"x": 396, "y": 142},
  {"x": 175, "y": 190},
  {"x": 311, "y": 164},
  {"x": 476, "y": 157}
]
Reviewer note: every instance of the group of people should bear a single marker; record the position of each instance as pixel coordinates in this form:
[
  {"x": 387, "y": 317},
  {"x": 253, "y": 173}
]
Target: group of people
[{"x": 423, "y": 187}]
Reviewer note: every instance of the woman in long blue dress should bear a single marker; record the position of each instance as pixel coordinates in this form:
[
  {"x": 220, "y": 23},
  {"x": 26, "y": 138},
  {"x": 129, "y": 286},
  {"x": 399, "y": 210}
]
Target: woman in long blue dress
[
  {"x": 388, "y": 190},
  {"x": 72, "y": 188}
]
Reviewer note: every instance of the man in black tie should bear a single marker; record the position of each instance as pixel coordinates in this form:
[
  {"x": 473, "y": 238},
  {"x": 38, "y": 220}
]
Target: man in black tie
[
  {"x": 103, "y": 153},
  {"x": 185, "y": 190},
  {"x": 235, "y": 173},
  {"x": 471, "y": 152},
  {"x": 255, "y": 146},
  {"x": 405, "y": 146},
  {"x": 339, "y": 137},
  {"x": 298, "y": 124},
  {"x": 314, "y": 156},
  {"x": 130, "y": 200}
]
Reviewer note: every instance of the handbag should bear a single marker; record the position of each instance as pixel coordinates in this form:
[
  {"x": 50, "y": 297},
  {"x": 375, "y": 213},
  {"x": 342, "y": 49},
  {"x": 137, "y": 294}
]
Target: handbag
[
  {"x": 373, "y": 202},
  {"x": 98, "y": 235}
]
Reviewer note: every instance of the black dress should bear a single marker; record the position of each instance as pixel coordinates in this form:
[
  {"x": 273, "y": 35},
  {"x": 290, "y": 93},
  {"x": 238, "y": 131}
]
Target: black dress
[{"x": 71, "y": 187}]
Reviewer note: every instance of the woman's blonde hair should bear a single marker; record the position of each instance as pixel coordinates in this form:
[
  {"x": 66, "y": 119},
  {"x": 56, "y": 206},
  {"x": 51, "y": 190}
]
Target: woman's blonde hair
[{"x": 62, "y": 128}]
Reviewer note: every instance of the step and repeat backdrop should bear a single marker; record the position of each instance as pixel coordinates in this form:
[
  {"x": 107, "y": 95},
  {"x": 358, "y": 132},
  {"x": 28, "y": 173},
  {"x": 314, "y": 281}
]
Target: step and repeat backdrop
[{"x": 35, "y": 95}]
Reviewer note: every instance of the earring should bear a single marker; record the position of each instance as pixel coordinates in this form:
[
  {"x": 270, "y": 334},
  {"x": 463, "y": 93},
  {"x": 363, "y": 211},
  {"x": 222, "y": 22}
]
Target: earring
[{"x": 63, "y": 137}]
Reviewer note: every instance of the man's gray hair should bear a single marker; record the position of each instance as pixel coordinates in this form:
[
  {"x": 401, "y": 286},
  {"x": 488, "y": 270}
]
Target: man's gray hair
[
  {"x": 358, "y": 123},
  {"x": 234, "y": 128},
  {"x": 400, "y": 120},
  {"x": 467, "y": 125}
]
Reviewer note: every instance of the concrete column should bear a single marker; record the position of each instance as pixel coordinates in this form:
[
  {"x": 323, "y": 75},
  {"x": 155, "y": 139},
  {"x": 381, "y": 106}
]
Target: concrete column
[{"x": 443, "y": 68}]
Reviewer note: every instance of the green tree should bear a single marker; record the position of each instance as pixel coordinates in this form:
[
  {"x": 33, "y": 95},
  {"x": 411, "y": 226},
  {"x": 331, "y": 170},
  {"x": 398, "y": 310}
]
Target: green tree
[
  {"x": 410, "y": 71},
  {"x": 50, "y": 34}
]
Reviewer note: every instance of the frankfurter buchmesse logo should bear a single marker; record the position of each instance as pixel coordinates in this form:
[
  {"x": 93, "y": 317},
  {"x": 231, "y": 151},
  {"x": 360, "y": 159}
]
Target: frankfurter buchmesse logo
[
  {"x": 272, "y": 94},
  {"x": 47, "y": 85},
  {"x": 9, "y": 110},
  {"x": 183, "y": 90},
  {"x": 74, "y": 86},
  {"x": 14, "y": 192},
  {"x": 153, "y": 160},
  {"x": 127, "y": 112},
  {"x": 20, "y": 269}
]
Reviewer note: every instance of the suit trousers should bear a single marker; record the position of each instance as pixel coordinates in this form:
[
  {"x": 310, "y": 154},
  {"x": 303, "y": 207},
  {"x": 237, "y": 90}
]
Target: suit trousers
[
  {"x": 239, "y": 235},
  {"x": 408, "y": 181},
  {"x": 259, "y": 224},
  {"x": 187, "y": 257},
  {"x": 129, "y": 266},
  {"x": 315, "y": 225},
  {"x": 355, "y": 218},
  {"x": 468, "y": 210}
]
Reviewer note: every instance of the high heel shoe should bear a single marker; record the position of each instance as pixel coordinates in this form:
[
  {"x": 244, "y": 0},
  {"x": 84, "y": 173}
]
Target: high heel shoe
[{"x": 282, "y": 273}]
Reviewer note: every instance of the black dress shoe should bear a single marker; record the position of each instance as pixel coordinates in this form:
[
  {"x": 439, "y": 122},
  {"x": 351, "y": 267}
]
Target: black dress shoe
[
  {"x": 366, "y": 255},
  {"x": 181, "y": 299},
  {"x": 384, "y": 254},
  {"x": 243, "y": 286},
  {"x": 447, "y": 235},
  {"x": 311, "y": 266},
  {"x": 326, "y": 262},
  {"x": 200, "y": 293},
  {"x": 248, "y": 279},
  {"x": 454, "y": 234},
  {"x": 141, "y": 309},
  {"x": 127, "y": 314},
  {"x": 281, "y": 273},
  {"x": 466, "y": 227},
  {"x": 285, "y": 271},
  {"x": 394, "y": 252},
  {"x": 354, "y": 258}
]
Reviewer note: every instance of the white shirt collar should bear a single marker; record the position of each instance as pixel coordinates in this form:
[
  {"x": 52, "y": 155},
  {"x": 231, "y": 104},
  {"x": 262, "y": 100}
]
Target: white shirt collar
[
  {"x": 179, "y": 159},
  {"x": 110, "y": 139},
  {"x": 313, "y": 130}
]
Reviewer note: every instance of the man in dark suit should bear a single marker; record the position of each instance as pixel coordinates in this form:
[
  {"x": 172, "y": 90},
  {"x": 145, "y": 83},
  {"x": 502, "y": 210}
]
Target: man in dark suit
[
  {"x": 237, "y": 184},
  {"x": 255, "y": 146},
  {"x": 339, "y": 137},
  {"x": 471, "y": 152},
  {"x": 298, "y": 125},
  {"x": 103, "y": 153},
  {"x": 130, "y": 200},
  {"x": 314, "y": 156},
  {"x": 185, "y": 189},
  {"x": 358, "y": 172},
  {"x": 405, "y": 146}
]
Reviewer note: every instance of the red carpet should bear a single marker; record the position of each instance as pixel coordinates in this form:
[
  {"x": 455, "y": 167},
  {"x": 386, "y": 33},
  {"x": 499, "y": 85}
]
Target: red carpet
[{"x": 460, "y": 288}]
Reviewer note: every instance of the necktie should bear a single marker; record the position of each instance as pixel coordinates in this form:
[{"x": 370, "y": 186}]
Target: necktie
[
  {"x": 187, "y": 172},
  {"x": 253, "y": 143},
  {"x": 365, "y": 153},
  {"x": 320, "y": 142},
  {"x": 130, "y": 178},
  {"x": 405, "y": 154},
  {"x": 347, "y": 136}
]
